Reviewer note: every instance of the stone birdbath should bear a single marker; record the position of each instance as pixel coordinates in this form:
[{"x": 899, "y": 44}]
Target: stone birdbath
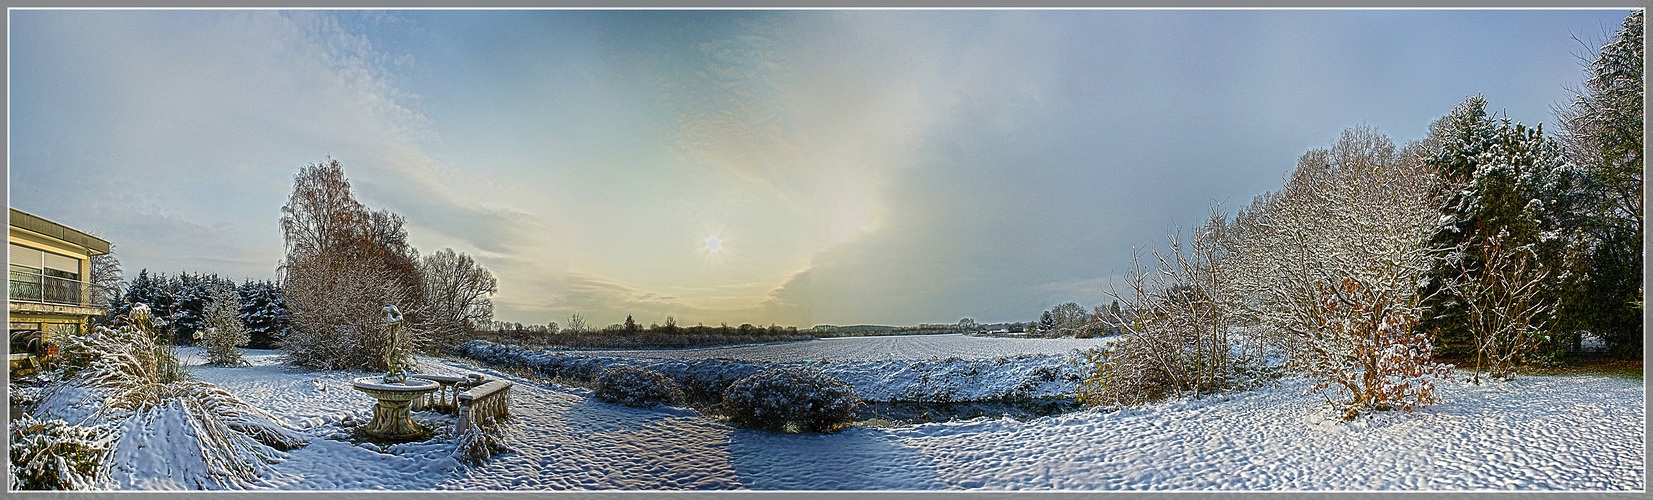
[{"x": 392, "y": 415}]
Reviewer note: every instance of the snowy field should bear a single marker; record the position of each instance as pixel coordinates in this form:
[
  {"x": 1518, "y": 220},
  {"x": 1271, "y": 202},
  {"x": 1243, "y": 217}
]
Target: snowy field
[
  {"x": 1536, "y": 433},
  {"x": 876, "y": 348},
  {"x": 927, "y": 368}
]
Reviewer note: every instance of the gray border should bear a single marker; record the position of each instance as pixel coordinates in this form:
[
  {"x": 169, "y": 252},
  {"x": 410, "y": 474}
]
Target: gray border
[{"x": 835, "y": 4}]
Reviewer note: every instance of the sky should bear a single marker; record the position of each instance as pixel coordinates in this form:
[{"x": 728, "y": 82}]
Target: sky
[{"x": 795, "y": 167}]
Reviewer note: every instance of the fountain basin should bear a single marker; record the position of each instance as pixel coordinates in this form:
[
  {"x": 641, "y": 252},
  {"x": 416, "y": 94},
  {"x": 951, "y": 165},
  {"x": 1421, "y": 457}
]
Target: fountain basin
[{"x": 392, "y": 415}]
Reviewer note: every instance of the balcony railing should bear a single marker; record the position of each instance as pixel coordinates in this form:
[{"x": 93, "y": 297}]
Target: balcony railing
[{"x": 39, "y": 288}]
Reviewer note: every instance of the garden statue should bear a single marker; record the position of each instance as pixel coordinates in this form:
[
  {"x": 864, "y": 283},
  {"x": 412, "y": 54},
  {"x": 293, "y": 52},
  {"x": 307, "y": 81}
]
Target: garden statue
[{"x": 395, "y": 355}]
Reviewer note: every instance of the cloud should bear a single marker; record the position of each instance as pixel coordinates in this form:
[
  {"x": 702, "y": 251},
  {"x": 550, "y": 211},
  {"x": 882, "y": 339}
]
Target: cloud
[{"x": 862, "y": 166}]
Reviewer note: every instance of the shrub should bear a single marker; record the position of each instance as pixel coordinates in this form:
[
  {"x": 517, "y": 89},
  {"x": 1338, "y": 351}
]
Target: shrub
[
  {"x": 1176, "y": 334},
  {"x": 639, "y": 387},
  {"x": 803, "y": 397},
  {"x": 480, "y": 442}
]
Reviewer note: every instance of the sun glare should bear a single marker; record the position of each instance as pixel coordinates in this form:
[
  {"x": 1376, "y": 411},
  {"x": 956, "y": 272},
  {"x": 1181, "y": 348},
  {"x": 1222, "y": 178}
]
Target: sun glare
[{"x": 713, "y": 243}]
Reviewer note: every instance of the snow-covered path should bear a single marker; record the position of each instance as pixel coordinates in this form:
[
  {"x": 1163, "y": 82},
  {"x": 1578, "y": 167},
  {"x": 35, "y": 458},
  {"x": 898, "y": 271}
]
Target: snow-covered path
[{"x": 1536, "y": 433}]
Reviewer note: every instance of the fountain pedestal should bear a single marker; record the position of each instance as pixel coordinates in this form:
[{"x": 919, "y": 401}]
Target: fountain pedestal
[{"x": 392, "y": 415}]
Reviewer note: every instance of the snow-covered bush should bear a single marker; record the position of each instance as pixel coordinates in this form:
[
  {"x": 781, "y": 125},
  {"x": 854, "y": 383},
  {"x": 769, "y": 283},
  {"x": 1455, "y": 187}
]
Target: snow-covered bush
[
  {"x": 640, "y": 387},
  {"x": 1368, "y": 347},
  {"x": 134, "y": 355},
  {"x": 779, "y": 398},
  {"x": 224, "y": 335},
  {"x": 480, "y": 442},
  {"x": 146, "y": 392},
  {"x": 53, "y": 455}
]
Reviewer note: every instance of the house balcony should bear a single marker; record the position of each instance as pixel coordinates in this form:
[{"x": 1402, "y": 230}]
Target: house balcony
[{"x": 42, "y": 294}]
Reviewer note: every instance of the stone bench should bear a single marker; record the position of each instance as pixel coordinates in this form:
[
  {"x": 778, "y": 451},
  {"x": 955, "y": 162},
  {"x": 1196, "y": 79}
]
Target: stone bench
[
  {"x": 446, "y": 396},
  {"x": 490, "y": 400}
]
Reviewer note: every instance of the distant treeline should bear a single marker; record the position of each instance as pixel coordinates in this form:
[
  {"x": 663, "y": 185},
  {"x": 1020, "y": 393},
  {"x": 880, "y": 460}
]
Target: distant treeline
[{"x": 631, "y": 335}]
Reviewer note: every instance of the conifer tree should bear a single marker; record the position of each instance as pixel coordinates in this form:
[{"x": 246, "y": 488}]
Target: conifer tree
[{"x": 1602, "y": 134}]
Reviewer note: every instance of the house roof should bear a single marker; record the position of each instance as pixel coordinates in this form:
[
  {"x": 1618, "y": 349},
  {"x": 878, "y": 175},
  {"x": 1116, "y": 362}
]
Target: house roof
[{"x": 38, "y": 224}]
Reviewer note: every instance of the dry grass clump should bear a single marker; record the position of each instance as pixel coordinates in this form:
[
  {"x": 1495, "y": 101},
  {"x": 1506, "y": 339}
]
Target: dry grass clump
[{"x": 142, "y": 382}]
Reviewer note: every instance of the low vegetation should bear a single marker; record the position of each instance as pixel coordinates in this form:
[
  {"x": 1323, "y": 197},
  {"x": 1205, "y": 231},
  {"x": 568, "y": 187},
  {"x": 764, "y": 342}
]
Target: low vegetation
[
  {"x": 798, "y": 399},
  {"x": 639, "y": 387}
]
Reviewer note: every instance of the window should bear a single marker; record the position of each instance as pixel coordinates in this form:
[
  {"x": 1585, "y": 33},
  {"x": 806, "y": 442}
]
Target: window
[{"x": 41, "y": 276}]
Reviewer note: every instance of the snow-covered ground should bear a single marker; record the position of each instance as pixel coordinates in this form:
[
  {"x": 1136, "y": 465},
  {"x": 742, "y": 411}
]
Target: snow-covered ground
[{"x": 1535, "y": 433}]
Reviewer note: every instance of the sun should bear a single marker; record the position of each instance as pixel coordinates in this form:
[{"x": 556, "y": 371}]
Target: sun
[{"x": 714, "y": 244}]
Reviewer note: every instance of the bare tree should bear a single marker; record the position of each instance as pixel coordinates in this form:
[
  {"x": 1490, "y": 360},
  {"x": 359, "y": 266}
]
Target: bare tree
[
  {"x": 456, "y": 295},
  {"x": 106, "y": 284},
  {"x": 1330, "y": 268},
  {"x": 1176, "y": 336},
  {"x": 1504, "y": 304}
]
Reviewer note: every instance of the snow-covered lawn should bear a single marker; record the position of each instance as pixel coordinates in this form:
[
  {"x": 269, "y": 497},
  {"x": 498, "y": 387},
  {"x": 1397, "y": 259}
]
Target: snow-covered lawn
[
  {"x": 917, "y": 373},
  {"x": 1536, "y": 433}
]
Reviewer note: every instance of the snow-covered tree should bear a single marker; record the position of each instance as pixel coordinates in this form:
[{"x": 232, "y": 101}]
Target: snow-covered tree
[
  {"x": 150, "y": 290},
  {"x": 1070, "y": 317},
  {"x": 224, "y": 335},
  {"x": 1498, "y": 178},
  {"x": 1601, "y": 132},
  {"x": 1177, "y": 341},
  {"x": 1328, "y": 271},
  {"x": 264, "y": 314},
  {"x": 344, "y": 263},
  {"x": 194, "y": 293}
]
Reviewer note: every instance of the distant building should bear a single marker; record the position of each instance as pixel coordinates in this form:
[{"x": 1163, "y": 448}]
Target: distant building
[{"x": 48, "y": 293}]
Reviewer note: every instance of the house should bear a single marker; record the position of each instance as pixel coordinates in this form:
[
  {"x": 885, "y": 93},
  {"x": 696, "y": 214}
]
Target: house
[{"x": 49, "y": 294}]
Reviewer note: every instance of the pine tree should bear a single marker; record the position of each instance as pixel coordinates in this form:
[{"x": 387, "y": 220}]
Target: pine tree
[
  {"x": 154, "y": 291},
  {"x": 264, "y": 314},
  {"x": 222, "y": 334}
]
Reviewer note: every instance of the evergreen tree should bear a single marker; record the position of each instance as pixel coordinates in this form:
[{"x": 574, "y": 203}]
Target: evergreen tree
[
  {"x": 1047, "y": 323},
  {"x": 1501, "y": 178},
  {"x": 1602, "y": 132},
  {"x": 222, "y": 332},
  {"x": 264, "y": 314},
  {"x": 154, "y": 291}
]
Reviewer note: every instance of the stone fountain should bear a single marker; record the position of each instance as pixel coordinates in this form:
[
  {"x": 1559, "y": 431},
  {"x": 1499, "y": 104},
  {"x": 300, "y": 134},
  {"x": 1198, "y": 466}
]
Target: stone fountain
[{"x": 392, "y": 415}]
